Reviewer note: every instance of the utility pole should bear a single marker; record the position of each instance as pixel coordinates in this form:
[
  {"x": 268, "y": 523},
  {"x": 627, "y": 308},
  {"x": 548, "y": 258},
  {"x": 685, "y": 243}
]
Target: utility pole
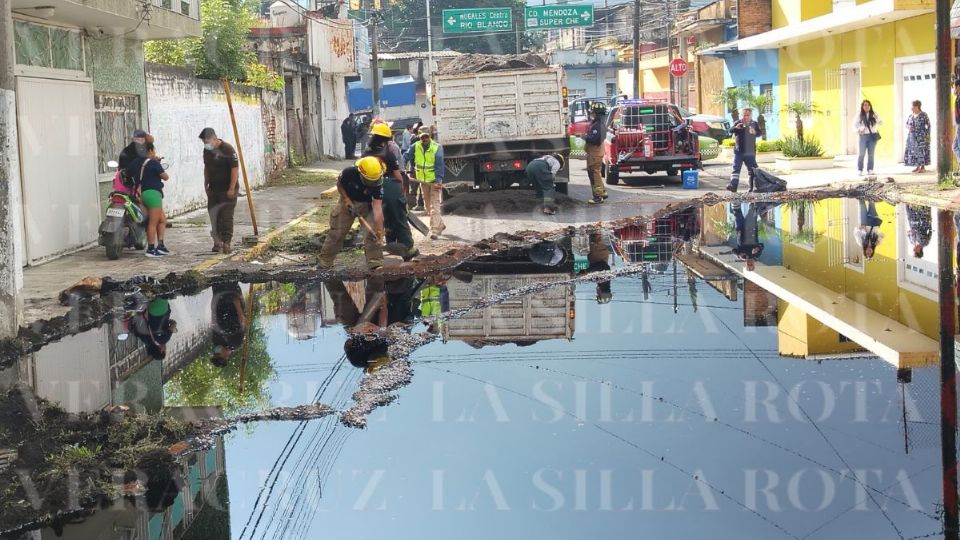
[
  {"x": 669, "y": 50},
  {"x": 429, "y": 44},
  {"x": 11, "y": 271},
  {"x": 948, "y": 292},
  {"x": 637, "y": 79},
  {"x": 374, "y": 56}
]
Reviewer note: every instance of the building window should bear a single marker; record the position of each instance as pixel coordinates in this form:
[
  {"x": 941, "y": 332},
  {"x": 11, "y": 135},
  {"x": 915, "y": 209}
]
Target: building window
[
  {"x": 799, "y": 88},
  {"x": 117, "y": 116},
  {"x": 611, "y": 89},
  {"x": 767, "y": 89},
  {"x": 48, "y": 47}
]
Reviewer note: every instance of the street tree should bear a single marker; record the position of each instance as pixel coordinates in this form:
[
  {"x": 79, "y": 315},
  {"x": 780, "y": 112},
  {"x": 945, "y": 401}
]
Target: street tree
[
  {"x": 799, "y": 109},
  {"x": 761, "y": 103},
  {"x": 222, "y": 52},
  {"x": 729, "y": 99}
]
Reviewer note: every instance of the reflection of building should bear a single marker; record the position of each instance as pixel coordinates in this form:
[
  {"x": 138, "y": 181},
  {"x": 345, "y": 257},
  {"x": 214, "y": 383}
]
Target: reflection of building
[
  {"x": 832, "y": 300},
  {"x": 199, "y": 511}
]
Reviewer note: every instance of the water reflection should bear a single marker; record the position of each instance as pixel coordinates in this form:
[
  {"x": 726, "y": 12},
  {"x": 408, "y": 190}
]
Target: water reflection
[{"x": 765, "y": 372}]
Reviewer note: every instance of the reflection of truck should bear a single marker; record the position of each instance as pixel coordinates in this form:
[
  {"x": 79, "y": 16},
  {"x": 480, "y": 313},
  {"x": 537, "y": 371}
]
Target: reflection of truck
[
  {"x": 523, "y": 320},
  {"x": 492, "y": 123}
]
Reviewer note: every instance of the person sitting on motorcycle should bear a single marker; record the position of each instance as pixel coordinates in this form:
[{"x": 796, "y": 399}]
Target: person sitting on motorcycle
[{"x": 150, "y": 176}]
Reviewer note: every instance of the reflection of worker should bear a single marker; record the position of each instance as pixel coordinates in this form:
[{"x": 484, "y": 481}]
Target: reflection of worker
[
  {"x": 365, "y": 347},
  {"x": 749, "y": 246},
  {"x": 229, "y": 322},
  {"x": 598, "y": 259},
  {"x": 434, "y": 301},
  {"x": 154, "y": 327},
  {"x": 361, "y": 192},
  {"x": 594, "y": 139}
]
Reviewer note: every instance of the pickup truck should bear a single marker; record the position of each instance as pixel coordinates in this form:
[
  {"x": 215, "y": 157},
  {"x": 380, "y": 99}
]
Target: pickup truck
[
  {"x": 648, "y": 136},
  {"x": 492, "y": 123}
]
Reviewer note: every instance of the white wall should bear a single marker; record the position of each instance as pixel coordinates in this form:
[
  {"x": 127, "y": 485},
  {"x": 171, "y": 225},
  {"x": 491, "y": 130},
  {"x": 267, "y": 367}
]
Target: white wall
[
  {"x": 333, "y": 108},
  {"x": 180, "y": 106}
]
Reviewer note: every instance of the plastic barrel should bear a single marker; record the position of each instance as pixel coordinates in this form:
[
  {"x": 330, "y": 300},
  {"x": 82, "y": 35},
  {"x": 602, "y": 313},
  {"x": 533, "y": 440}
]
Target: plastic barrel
[{"x": 691, "y": 179}]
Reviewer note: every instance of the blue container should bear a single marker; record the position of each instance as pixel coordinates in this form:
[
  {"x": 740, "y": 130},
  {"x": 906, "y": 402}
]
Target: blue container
[{"x": 691, "y": 179}]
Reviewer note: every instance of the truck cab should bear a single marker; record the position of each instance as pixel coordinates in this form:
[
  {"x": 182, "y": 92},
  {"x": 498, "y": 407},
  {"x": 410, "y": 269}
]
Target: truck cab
[{"x": 648, "y": 136}]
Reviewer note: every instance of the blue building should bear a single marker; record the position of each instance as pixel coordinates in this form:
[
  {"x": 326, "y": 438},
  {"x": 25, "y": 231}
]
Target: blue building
[
  {"x": 757, "y": 69},
  {"x": 589, "y": 74}
]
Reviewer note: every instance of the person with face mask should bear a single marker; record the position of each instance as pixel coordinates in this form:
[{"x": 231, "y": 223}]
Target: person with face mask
[
  {"x": 541, "y": 173},
  {"x": 220, "y": 173}
]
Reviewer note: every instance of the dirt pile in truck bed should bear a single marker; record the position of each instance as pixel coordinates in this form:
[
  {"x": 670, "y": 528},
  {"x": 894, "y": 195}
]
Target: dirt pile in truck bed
[{"x": 479, "y": 63}]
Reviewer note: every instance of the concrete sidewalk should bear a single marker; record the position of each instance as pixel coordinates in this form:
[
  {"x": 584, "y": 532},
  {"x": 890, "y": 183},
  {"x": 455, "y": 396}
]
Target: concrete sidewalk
[
  {"x": 188, "y": 239},
  {"x": 844, "y": 170}
]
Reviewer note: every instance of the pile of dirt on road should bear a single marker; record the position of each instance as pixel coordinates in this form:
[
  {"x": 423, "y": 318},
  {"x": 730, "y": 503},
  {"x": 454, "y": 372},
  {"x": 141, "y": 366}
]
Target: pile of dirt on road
[
  {"x": 494, "y": 203},
  {"x": 479, "y": 63}
]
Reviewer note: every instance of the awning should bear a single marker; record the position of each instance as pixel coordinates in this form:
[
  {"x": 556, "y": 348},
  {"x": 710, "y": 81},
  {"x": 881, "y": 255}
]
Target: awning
[{"x": 838, "y": 22}]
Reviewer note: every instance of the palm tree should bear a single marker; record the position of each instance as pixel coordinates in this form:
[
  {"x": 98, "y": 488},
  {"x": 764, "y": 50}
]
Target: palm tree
[
  {"x": 729, "y": 99},
  {"x": 800, "y": 109},
  {"x": 761, "y": 103}
]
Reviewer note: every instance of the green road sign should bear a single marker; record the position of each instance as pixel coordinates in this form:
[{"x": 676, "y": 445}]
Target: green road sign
[
  {"x": 558, "y": 16},
  {"x": 461, "y": 21}
]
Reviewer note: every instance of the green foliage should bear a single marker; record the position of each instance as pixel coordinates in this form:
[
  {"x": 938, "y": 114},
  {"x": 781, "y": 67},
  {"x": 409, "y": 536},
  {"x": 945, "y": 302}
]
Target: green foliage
[
  {"x": 770, "y": 146},
  {"x": 72, "y": 457},
  {"x": 258, "y": 75},
  {"x": 203, "y": 384},
  {"x": 801, "y": 108},
  {"x": 169, "y": 52},
  {"x": 222, "y": 52},
  {"x": 794, "y": 147},
  {"x": 730, "y": 98}
]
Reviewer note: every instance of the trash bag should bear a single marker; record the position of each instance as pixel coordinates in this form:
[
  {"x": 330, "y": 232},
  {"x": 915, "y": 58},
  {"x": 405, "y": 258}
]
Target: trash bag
[{"x": 764, "y": 182}]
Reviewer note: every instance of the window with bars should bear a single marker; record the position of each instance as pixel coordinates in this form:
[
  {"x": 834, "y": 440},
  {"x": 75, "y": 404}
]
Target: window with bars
[{"x": 799, "y": 88}]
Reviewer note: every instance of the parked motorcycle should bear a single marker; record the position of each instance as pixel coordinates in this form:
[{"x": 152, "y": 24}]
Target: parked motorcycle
[{"x": 124, "y": 225}]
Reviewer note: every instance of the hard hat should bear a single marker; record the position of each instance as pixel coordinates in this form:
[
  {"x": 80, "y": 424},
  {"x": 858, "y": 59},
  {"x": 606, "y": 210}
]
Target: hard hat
[
  {"x": 560, "y": 159},
  {"x": 604, "y": 294},
  {"x": 371, "y": 169},
  {"x": 546, "y": 253},
  {"x": 598, "y": 107},
  {"x": 424, "y": 130},
  {"x": 381, "y": 129}
]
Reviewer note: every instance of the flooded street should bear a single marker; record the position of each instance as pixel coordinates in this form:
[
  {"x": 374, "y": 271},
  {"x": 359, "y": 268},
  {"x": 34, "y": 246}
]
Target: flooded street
[{"x": 744, "y": 371}]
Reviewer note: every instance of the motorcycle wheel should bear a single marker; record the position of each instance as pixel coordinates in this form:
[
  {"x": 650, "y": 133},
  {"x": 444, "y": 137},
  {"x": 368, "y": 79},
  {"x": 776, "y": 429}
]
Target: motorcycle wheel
[{"x": 114, "y": 245}]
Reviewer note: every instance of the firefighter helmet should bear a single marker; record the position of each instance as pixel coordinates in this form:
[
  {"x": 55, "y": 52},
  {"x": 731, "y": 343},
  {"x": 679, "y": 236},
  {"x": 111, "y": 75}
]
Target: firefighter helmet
[
  {"x": 598, "y": 107},
  {"x": 381, "y": 129},
  {"x": 371, "y": 169}
]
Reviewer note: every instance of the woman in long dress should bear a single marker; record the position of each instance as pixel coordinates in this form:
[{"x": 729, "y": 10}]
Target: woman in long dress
[{"x": 917, "y": 152}]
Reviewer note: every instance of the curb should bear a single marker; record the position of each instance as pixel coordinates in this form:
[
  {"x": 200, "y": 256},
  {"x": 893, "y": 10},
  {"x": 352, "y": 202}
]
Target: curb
[{"x": 252, "y": 253}]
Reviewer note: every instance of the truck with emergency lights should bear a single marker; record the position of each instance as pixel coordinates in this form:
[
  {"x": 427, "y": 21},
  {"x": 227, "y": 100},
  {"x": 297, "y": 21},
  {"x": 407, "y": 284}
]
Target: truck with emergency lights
[
  {"x": 648, "y": 136},
  {"x": 493, "y": 121}
]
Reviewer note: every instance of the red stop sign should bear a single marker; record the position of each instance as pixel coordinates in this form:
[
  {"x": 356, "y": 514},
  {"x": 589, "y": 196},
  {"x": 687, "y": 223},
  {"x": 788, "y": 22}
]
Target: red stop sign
[{"x": 678, "y": 67}]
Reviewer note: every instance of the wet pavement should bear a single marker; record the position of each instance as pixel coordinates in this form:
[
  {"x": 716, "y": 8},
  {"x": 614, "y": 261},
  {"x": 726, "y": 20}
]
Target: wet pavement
[{"x": 731, "y": 371}]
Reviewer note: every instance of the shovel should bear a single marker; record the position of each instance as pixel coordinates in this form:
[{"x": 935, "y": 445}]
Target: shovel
[{"x": 393, "y": 248}]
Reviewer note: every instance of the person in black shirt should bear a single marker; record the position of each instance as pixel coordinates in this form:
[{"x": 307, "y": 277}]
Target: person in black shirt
[
  {"x": 135, "y": 149},
  {"x": 361, "y": 192},
  {"x": 150, "y": 176},
  {"x": 220, "y": 176},
  {"x": 229, "y": 322},
  {"x": 394, "y": 199},
  {"x": 348, "y": 132}
]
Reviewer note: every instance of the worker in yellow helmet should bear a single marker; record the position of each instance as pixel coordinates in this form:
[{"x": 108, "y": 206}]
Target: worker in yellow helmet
[
  {"x": 361, "y": 192},
  {"x": 384, "y": 147}
]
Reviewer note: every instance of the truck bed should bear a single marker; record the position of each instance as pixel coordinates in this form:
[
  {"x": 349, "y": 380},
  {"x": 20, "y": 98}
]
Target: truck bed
[
  {"x": 544, "y": 315},
  {"x": 499, "y": 106}
]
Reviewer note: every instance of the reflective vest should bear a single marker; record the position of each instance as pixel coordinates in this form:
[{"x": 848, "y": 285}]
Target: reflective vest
[
  {"x": 430, "y": 301},
  {"x": 424, "y": 162}
]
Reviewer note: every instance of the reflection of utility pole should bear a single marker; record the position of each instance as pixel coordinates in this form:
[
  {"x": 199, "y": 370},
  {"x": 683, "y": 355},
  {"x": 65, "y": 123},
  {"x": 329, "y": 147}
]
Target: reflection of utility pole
[
  {"x": 637, "y": 84},
  {"x": 374, "y": 55}
]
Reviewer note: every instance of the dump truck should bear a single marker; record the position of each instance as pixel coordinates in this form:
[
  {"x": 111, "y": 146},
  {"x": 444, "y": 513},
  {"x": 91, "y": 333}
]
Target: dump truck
[
  {"x": 496, "y": 114},
  {"x": 522, "y": 320}
]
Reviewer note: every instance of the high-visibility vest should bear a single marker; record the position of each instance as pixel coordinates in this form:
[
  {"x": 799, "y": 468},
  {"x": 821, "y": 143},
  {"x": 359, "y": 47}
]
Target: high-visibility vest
[
  {"x": 424, "y": 162},
  {"x": 430, "y": 301}
]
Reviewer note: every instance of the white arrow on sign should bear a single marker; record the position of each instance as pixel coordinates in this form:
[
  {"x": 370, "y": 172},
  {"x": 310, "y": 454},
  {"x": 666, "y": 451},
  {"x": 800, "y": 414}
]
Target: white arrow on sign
[
  {"x": 451, "y": 21},
  {"x": 586, "y": 15}
]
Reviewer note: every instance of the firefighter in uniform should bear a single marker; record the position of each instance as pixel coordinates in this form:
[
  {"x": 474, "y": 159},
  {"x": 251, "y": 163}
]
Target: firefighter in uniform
[
  {"x": 594, "y": 137},
  {"x": 361, "y": 192}
]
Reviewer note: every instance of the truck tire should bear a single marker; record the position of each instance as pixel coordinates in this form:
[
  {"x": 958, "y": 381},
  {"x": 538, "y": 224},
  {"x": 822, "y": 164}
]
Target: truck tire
[
  {"x": 561, "y": 188},
  {"x": 613, "y": 176},
  {"x": 672, "y": 172}
]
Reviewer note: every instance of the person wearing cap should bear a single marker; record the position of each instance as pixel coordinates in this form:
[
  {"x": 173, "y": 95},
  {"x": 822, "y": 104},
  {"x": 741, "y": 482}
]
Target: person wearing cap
[
  {"x": 541, "y": 173},
  {"x": 361, "y": 192},
  {"x": 136, "y": 149},
  {"x": 220, "y": 173},
  {"x": 428, "y": 168},
  {"x": 229, "y": 328},
  {"x": 383, "y": 147}
]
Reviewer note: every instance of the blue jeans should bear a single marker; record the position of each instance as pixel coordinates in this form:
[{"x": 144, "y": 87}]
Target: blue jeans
[
  {"x": 738, "y": 161},
  {"x": 867, "y": 145},
  {"x": 868, "y": 214}
]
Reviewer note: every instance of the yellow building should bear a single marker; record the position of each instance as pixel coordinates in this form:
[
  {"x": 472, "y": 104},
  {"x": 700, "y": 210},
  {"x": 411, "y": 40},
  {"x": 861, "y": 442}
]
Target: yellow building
[
  {"x": 655, "y": 76},
  {"x": 836, "y": 53}
]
